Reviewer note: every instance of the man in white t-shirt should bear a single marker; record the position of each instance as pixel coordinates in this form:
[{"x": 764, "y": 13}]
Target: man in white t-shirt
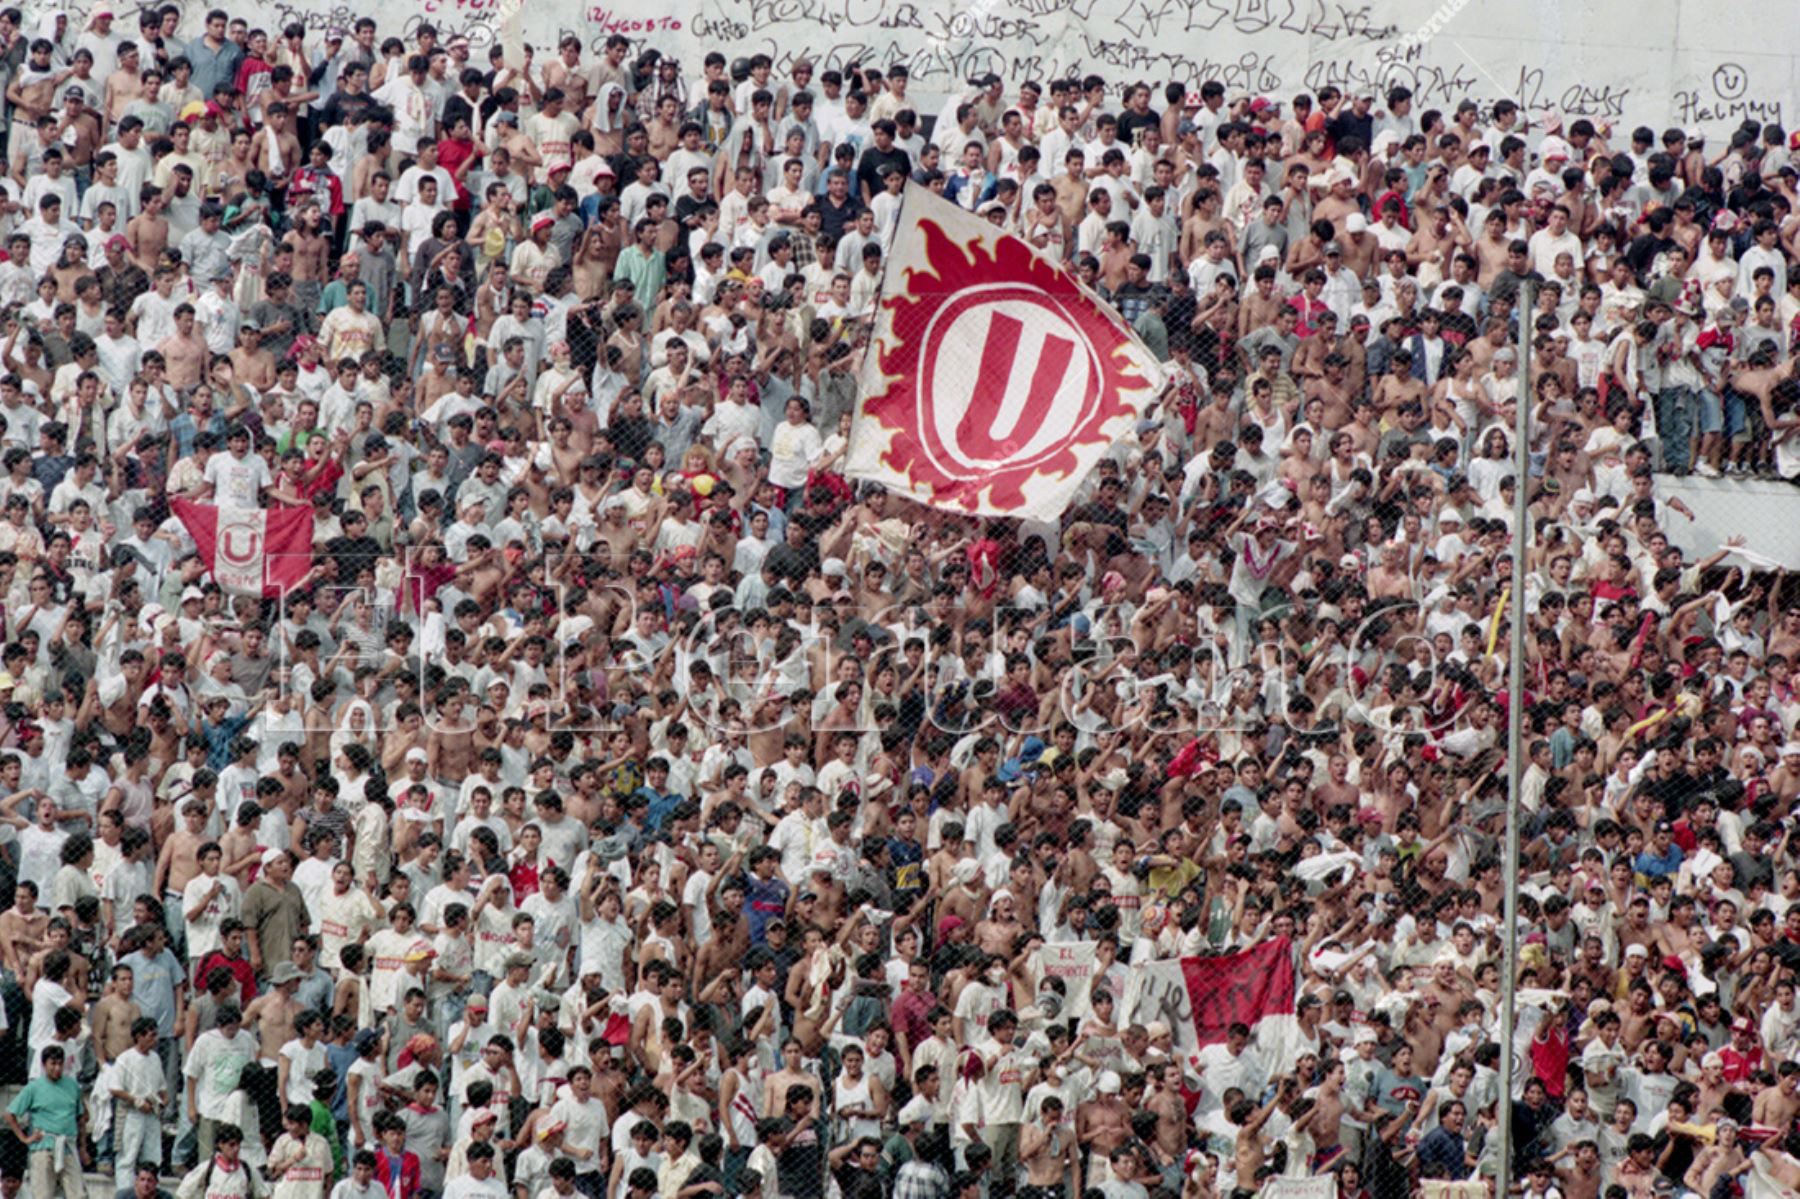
[
  {"x": 210, "y": 898},
  {"x": 237, "y": 478},
  {"x": 583, "y": 1117}
]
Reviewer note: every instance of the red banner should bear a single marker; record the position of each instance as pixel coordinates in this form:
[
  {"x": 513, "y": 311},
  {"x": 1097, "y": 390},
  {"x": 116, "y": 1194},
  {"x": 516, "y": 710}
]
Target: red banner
[
  {"x": 251, "y": 551},
  {"x": 1239, "y": 988}
]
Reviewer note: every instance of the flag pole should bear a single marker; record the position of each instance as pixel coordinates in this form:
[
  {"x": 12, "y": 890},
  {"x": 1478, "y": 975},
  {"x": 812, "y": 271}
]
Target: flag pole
[
  {"x": 870, "y": 361},
  {"x": 1515, "y": 739}
]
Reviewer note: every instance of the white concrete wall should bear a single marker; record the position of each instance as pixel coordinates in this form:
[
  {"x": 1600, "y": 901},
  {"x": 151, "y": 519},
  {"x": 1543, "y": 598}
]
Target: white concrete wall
[{"x": 1766, "y": 513}]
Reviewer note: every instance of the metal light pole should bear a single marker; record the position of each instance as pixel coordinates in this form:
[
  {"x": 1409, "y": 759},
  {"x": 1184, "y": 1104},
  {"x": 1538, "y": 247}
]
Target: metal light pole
[{"x": 1515, "y": 736}]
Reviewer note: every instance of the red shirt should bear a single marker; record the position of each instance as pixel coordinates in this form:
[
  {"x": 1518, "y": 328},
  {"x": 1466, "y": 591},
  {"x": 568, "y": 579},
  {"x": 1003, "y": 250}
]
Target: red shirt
[
  {"x": 1308, "y": 310},
  {"x": 1739, "y": 1064},
  {"x": 452, "y": 154},
  {"x": 239, "y": 967},
  {"x": 524, "y": 878},
  {"x": 910, "y": 1016},
  {"x": 422, "y": 582},
  {"x": 323, "y": 186},
  {"x": 1550, "y": 1058},
  {"x": 325, "y": 480}
]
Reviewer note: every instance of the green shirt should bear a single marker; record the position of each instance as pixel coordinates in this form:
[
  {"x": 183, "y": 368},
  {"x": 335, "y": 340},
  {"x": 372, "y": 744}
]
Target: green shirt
[
  {"x": 325, "y": 1125},
  {"x": 1153, "y": 333},
  {"x": 335, "y": 296},
  {"x": 49, "y": 1107}
]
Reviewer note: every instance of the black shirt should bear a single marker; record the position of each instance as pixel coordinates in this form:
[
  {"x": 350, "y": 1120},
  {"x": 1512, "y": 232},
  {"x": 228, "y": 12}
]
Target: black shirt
[
  {"x": 119, "y": 288},
  {"x": 352, "y": 554},
  {"x": 459, "y": 105},
  {"x": 875, "y": 163},
  {"x": 687, "y": 208},
  {"x": 834, "y": 219},
  {"x": 1748, "y": 868},
  {"x": 800, "y": 1167},
  {"x": 344, "y": 109},
  {"x": 1347, "y": 124},
  {"x": 858, "y": 1183},
  {"x": 793, "y": 563},
  {"x": 1130, "y": 122},
  {"x": 1506, "y": 283},
  {"x": 1643, "y": 250}
]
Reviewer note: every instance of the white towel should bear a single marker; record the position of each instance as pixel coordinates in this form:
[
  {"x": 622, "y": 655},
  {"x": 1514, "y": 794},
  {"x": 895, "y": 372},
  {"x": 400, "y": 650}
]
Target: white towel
[
  {"x": 276, "y": 166},
  {"x": 604, "y": 120}
]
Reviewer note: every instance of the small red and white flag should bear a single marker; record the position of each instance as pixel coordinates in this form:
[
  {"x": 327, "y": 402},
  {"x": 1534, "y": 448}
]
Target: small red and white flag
[
  {"x": 1201, "y": 998},
  {"x": 995, "y": 381},
  {"x": 251, "y": 551}
]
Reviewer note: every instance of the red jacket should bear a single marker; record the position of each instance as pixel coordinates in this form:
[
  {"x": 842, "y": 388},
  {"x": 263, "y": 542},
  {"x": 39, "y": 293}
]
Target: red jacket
[{"x": 408, "y": 1184}]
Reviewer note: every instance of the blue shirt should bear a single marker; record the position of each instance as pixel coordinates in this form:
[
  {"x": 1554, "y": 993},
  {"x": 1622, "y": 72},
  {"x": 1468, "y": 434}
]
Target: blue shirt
[
  {"x": 660, "y": 806},
  {"x": 184, "y": 429},
  {"x": 212, "y": 67},
  {"x": 49, "y": 469},
  {"x": 1659, "y": 866},
  {"x": 1246, "y": 799},
  {"x": 340, "y": 1058},
  {"x": 765, "y": 900},
  {"x": 315, "y": 991},
  {"x": 1444, "y": 1149},
  {"x": 153, "y": 983},
  {"x": 907, "y": 859},
  {"x": 219, "y": 738}
]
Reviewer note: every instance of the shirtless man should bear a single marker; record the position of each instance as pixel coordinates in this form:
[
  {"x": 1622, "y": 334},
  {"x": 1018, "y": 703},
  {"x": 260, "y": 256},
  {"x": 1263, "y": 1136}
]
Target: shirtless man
[
  {"x": 1491, "y": 249},
  {"x": 295, "y": 784},
  {"x": 242, "y": 853},
  {"x": 1328, "y": 1102},
  {"x": 184, "y": 350},
  {"x": 1723, "y": 1157},
  {"x": 1331, "y": 388},
  {"x": 280, "y": 126},
  {"x": 1250, "y": 1120},
  {"x": 22, "y": 929},
  {"x": 1261, "y": 302},
  {"x": 1072, "y": 189},
  {"x": 121, "y": 716},
  {"x": 566, "y": 72},
  {"x": 1165, "y": 1100},
  {"x": 1444, "y": 996},
  {"x": 179, "y": 860},
  {"x": 451, "y": 745},
  {"x": 1775, "y": 1106},
  {"x": 148, "y": 231},
  {"x": 997, "y": 933},
  {"x": 1637, "y": 929},
  {"x": 1103, "y": 1123},
  {"x": 56, "y": 939},
  {"x": 1047, "y": 1152},
  {"x": 1398, "y": 387},
  {"x": 1581, "y": 1177},
  {"x": 35, "y": 99},
  {"x": 964, "y": 895},
  {"x": 114, "y": 1015},
  {"x": 273, "y": 1012},
  {"x": 311, "y": 243}
]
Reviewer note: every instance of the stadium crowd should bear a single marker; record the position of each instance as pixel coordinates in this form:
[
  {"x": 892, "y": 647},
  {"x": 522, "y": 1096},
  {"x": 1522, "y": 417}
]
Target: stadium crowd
[{"x": 627, "y": 804}]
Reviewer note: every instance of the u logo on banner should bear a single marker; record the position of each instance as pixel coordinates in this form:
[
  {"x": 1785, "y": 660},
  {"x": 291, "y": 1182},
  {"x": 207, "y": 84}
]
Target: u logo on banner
[{"x": 1023, "y": 404}]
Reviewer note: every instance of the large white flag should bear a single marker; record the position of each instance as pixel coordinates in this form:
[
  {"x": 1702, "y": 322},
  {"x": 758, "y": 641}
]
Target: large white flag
[{"x": 995, "y": 381}]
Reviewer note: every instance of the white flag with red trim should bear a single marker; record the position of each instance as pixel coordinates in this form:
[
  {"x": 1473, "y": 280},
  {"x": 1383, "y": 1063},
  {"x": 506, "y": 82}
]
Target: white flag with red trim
[
  {"x": 995, "y": 381},
  {"x": 251, "y": 551}
]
